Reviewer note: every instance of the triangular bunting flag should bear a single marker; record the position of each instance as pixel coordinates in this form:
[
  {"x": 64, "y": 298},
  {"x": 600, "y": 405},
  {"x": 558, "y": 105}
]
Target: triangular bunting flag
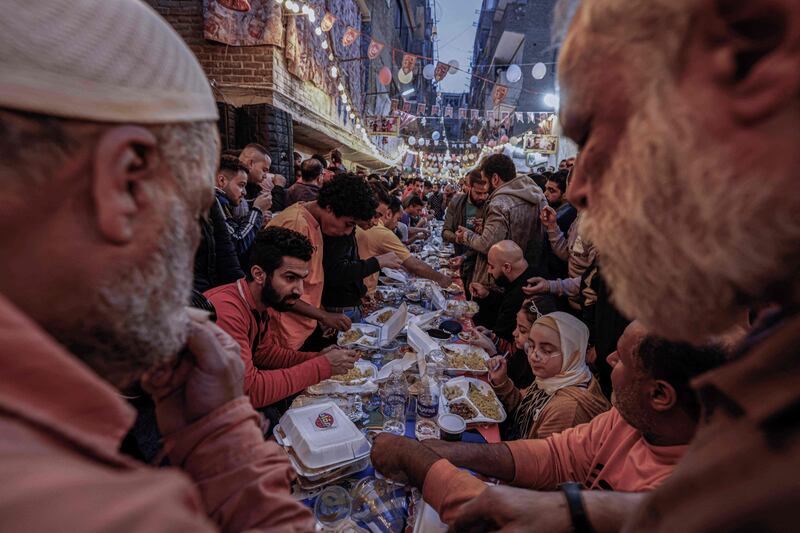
[
  {"x": 441, "y": 71},
  {"x": 375, "y": 49},
  {"x": 327, "y": 22},
  {"x": 421, "y": 109},
  {"x": 349, "y": 36}
]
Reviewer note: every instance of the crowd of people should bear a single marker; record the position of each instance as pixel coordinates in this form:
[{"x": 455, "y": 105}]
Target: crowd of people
[{"x": 639, "y": 301}]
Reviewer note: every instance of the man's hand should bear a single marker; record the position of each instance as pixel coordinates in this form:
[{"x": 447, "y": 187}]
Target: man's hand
[
  {"x": 442, "y": 280},
  {"x": 389, "y": 260},
  {"x": 536, "y": 286},
  {"x": 335, "y": 321},
  {"x": 548, "y": 217},
  {"x": 456, "y": 262},
  {"x": 263, "y": 202},
  {"x": 402, "y": 459},
  {"x": 461, "y": 234},
  {"x": 510, "y": 509},
  {"x": 209, "y": 374},
  {"x": 478, "y": 290},
  {"x": 341, "y": 360},
  {"x": 477, "y": 226}
]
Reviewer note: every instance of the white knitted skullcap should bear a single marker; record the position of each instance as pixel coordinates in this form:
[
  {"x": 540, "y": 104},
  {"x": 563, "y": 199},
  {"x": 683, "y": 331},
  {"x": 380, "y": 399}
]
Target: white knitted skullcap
[{"x": 99, "y": 60}]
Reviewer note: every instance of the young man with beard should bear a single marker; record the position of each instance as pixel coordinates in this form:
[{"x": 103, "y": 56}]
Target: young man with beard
[
  {"x": 724, "y": 75},
  {"x": 511, "y": 213},
  {"x": 279, "y": 265},
  {"x": 466, "y": 210},
  {"x": 119, "y": 163},
  {"x": 510, "y": 271},
  {"x": 631, "y": 448},
  {"x": 230, "y": 191},
  {"x": 342, "y": 202},
  {"x": 555, "y": 190}
]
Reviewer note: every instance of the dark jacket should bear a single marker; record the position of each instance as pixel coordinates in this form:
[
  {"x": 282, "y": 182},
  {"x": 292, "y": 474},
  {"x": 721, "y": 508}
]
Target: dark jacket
[
  {"x": 242, "y": 231},
  {"x": 510, "y": 302},
  {"x": 344, "y": 271},
  {"x": 279, "y": 199},
  {"x": 456, "y": 216},
  {"x": 301, "y": 192},
  {"x": 215, "y": 262}
]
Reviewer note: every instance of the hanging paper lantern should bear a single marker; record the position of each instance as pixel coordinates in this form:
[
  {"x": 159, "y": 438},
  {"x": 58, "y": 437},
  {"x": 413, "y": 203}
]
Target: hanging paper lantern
[
  {"x": 514, "y": 73},
  {"x": 412, "y": 140},
  {"x": 453, "y": 66},
  {"x": 405, "y": 77},
  {"x": 385, "y": 76},
  {"x": 428, "y": 70},
  {"x": 492, "y": 143},
  {"x": 436, "y": 135},
  {"x": 539, "y": 71},
  {"x": 503, "y": 139},
  {"x": 474, "y": 139}
]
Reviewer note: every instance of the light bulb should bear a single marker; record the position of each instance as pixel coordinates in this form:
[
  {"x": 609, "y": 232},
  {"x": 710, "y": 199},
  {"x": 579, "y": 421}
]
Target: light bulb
[
  {"x": 334, "y": 72},
  {"x": 330, "y": 56},
  {"x": 349, "y": 108},
  {"x": 352, "y": 115},
  {"x": 344, "y": 98},
  {"x": 312, "y": 17},
  {"x": 324, "y": 45},
  {"x": 317, "y": 31}
]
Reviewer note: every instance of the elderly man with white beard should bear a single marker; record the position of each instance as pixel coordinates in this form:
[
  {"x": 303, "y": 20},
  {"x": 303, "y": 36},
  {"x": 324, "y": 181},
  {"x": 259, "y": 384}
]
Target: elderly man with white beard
[
  {"x": 688, "y": 180},
  {"x": 108, "y": 134}
]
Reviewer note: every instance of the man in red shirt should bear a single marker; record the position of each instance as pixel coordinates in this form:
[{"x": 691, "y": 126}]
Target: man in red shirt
[
  {"x": 279, "y": 260},
  {"x": 631, "y": 448}
]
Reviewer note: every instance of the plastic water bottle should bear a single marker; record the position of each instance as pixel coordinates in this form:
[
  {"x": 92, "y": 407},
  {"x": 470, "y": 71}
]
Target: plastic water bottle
[
  {"x": 394, "y": 402},
  {"x": 426, "y": 426}
]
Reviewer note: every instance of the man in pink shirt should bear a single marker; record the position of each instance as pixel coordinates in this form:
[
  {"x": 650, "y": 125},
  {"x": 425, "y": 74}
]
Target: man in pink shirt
[
  {"x": 631, "y": 448},
  {"x": 117, "y": 163},
  {"x": 279, "y": 264}
]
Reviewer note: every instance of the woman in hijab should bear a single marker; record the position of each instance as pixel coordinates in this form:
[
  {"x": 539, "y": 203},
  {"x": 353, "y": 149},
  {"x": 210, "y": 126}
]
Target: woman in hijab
[{"x": 564, "y": 392}]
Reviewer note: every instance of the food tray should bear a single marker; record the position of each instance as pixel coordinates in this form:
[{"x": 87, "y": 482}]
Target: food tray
[
  {"x": 384, "y": 313},
  {"x": 367, "y": 338},
  {"x": 463, "y": 383},
  {"x": 321, "y": 436},
  {"x": 365, "y": 367},
  {"x": 319, "y": 474},
  {"x": 448, "y": 349}
]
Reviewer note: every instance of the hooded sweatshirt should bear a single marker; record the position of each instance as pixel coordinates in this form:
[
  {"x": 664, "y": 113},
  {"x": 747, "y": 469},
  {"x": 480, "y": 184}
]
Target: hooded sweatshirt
[{"x": 511, "y": 213}]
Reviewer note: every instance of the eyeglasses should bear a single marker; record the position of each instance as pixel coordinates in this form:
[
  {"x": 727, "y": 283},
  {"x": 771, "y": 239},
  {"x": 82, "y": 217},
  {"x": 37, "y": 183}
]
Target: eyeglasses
[{"x": 530, "y": 349}]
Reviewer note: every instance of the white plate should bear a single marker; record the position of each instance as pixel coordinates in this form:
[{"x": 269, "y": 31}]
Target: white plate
[
  {"x": 372, "y": 318},
  {"x": 368, "y": 337},
  {"x": 464, "y": 348},
  {"x": 463, "y": 383}
]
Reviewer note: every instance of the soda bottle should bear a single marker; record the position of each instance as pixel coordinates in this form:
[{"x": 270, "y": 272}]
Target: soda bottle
[
  {"x": 394, "y": 402},
  {"x": 426, "y": 426}
]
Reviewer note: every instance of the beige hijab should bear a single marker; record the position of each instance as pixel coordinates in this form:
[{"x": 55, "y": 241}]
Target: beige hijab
[{"x": 574, "y": 337}]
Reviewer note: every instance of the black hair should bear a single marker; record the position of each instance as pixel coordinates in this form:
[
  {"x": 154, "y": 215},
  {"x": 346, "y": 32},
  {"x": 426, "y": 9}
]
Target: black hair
[
  {"x": 296, "y": 155},
  {"x": 474, "y": 177},
  {"x": 418, "y": 180},
  {"x": 336, "y": 156},
  {"x": 228, "y": 163},
  {"x": 677, "y": 363},
  {"x": 499, "y": 164},
  {"x": 395, "y": 205},
  {"x": 321, "y": 159},
  {"x": 348, "y": 195},
  {"x": 381, "y": 194},
  {"x": 412, "y": 201},
  {"x": 273, "y": 244},
  {"x": 310, "y": 169},
  {"x": 427, "y": 183},
  {"x": 560, "y": 179},
  {"x": 257, "y": 147}
]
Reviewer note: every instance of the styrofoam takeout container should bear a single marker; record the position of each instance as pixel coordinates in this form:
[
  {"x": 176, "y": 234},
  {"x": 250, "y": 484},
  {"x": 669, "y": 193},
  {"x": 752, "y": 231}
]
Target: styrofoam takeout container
[{"x": 321, "y": 435}]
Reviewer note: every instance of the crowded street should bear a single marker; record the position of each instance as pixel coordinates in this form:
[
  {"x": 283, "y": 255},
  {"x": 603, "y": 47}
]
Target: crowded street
[{"x": 399, "y": 266}]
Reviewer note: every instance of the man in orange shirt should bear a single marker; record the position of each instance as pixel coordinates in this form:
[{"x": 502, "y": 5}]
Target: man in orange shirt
[
  {"x": 342, "y": 202},
  {"x": 631, "y": 448}
]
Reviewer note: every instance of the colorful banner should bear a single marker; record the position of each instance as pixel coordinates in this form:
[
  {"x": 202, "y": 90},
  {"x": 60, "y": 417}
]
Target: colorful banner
[
  {"x": 475, "y": 114},
  {"x": 385, "y": 126},
  {"x": 448, "y": 112},
  {"x": 441, "y": 71},
  {"x": 462, "y": 112},
  {"x": 395, "y": 104},
  {"x": 349, "y": 36},
  {"x": 435, "y": 110},
  {"x": 421, "y": 109},
  {"x": 327, "y": 22},
  {"x": 499, "y": 93},
  {"x": 375, "y": 49},
  {"x": 504, "y": 116},
  {"x": 531, "y": 117},
  {"x": 261, "y": 25},
  {"x": 519, "y": 116},
  {"x": 409, "y": 60},
  {"x": 406, "y": 107},
  {"x": 490, "y": 115}
]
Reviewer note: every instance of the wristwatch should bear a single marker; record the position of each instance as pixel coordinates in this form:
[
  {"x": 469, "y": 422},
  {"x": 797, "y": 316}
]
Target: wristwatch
[{"x": 580, "y": 520}]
